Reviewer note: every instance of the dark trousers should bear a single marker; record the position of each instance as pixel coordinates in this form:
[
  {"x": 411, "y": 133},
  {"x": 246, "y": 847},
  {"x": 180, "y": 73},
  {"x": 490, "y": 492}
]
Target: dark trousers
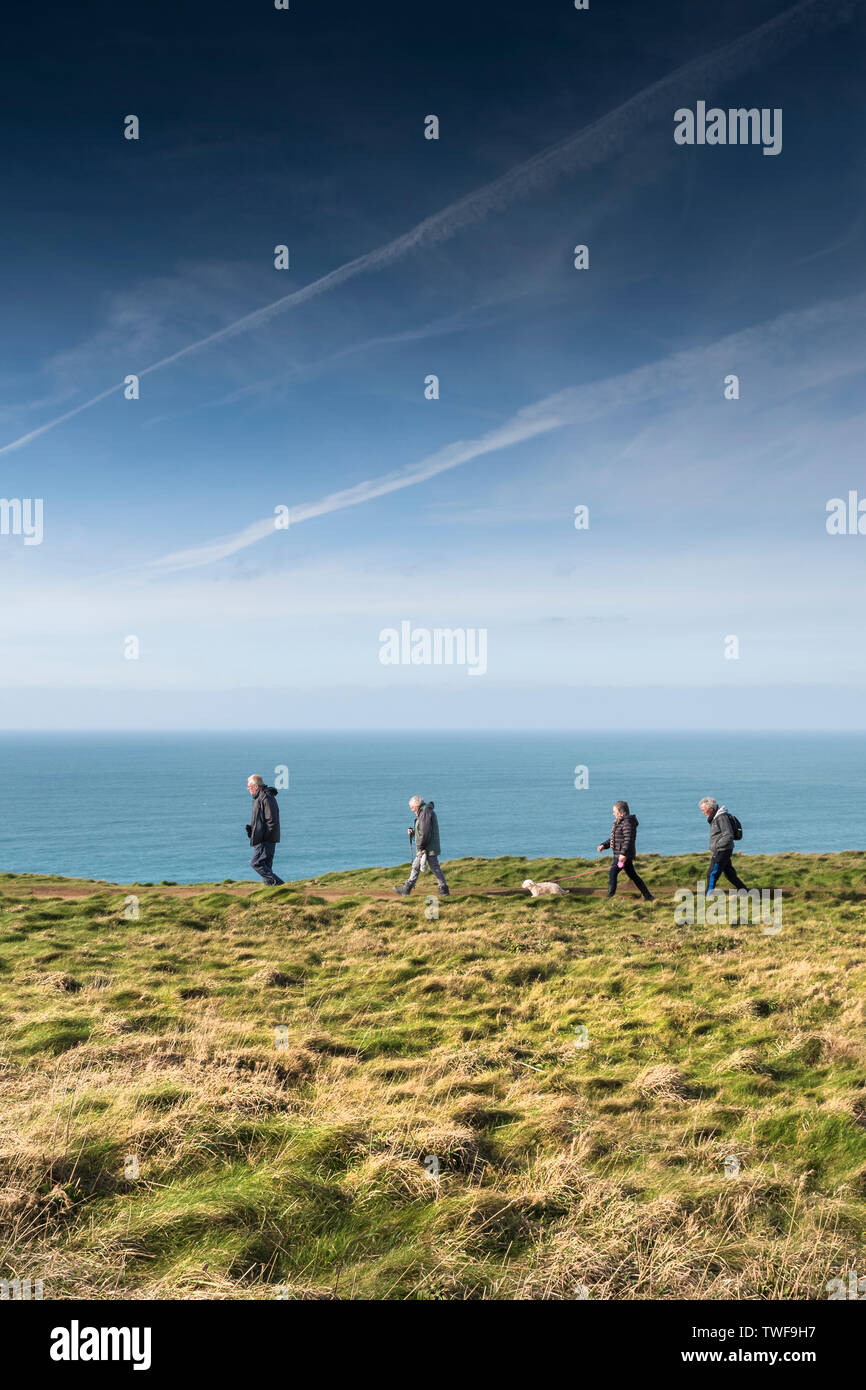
[
  {"x": 263, "y": 861},
  {"x": 721, "y": 864},
  {"x": 629, "y": 870}
]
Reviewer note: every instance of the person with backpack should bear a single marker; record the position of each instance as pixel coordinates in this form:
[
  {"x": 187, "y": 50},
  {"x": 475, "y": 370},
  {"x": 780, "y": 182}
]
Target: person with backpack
[
  {"x": 622, "y": 842},
  {"x": 724, "y": 830},
  {"x": 425, "y": 834},
  {"x": 264, "y": 829}
]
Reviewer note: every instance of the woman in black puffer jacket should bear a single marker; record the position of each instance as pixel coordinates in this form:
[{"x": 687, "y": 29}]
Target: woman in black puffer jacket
[{"x": 622, "y": 841}]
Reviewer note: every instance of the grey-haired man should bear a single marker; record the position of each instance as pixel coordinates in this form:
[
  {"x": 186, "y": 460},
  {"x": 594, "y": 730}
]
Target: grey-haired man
[
  {"x": 264, "y": 829},
  {"x": 425, "y": 835},
  {"x": 721, "y": 843}
]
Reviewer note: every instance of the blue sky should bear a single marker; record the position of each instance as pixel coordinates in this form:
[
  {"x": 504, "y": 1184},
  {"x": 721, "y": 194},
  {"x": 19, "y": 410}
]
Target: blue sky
[{"x": 558, "y": 387}]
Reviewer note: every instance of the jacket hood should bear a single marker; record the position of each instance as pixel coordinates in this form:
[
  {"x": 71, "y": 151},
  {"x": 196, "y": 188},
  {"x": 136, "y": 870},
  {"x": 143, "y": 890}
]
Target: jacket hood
[
  {"x": 719, "y": 811},
  {"x": 632, "y": 820},
  {"x": 273, "y": 791},
  {"x": 428, "y": 804}
]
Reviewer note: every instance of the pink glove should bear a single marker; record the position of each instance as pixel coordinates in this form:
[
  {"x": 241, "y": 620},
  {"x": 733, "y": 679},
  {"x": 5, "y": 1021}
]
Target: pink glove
[{"x": 620, "y": 863}]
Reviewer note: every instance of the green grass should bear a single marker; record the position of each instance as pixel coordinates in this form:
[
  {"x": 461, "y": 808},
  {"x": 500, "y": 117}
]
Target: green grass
[{"x": 279, "y": 1063}]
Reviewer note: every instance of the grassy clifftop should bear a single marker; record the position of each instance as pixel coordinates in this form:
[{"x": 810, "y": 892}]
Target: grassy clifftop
[{"x": 234, "y": 1095}]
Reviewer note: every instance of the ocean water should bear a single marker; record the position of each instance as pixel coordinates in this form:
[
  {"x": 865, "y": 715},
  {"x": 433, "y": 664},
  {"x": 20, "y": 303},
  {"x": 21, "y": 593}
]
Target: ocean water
[{"x": 147, "y": 807}]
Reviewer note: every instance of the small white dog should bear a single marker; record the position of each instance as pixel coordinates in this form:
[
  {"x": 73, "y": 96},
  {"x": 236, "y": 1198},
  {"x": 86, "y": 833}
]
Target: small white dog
[{"x": 540, "y": 889}]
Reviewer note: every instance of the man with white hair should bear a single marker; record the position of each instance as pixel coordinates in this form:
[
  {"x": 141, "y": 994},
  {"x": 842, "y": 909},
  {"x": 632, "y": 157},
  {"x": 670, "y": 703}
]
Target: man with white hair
[
  {"x": 264, "y": 829},
  {"x": 425, "y": 834},
  {"x": 721, "y": 844}
]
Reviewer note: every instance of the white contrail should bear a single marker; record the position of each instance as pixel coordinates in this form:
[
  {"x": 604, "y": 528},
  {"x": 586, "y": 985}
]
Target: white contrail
[
  {"x": 524, "y": 425},
  {"x": 589, "y": 146},
  {"x": 685, "y": 372}
]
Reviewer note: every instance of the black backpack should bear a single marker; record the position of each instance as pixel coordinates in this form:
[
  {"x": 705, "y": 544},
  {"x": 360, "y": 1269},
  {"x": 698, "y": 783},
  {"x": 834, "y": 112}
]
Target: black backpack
[{"x": 736, "y": 826}]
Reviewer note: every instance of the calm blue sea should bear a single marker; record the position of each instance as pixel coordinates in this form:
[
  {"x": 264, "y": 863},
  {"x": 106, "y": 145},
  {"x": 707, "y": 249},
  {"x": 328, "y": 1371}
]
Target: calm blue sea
[{"x": 147, "y": 807}]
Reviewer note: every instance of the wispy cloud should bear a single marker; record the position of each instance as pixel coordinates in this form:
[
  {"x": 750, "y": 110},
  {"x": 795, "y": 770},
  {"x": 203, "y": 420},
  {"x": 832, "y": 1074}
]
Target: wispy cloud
[
  {"x": 472, "y": 318},
  {"x": 590, "y": 146},
  {"x": 686, "y": 373}
]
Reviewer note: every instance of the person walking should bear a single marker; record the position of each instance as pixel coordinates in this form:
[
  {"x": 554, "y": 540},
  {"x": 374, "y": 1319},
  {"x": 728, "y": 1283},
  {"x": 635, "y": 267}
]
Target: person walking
[
  {"x": 425, "y": 835},
  {"x": 264, "y": 829},
  {"x": 721, "y": 844},
  {"x": 622, "y": 842}
]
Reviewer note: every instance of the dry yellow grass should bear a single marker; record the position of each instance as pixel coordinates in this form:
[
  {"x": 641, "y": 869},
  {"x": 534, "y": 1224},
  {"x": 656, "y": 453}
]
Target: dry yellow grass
[{"x": 238, "y": 1096}]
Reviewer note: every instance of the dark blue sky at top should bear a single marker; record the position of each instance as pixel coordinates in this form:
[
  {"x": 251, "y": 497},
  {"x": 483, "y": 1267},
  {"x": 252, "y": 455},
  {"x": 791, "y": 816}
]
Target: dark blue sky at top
[
  {"x": 306, "y": 127},
  {"x": 308, "y": 121}
]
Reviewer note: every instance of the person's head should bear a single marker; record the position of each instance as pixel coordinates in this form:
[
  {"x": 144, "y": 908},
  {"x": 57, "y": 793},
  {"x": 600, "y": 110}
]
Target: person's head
[
  {"x": 415, "y": 802},
  {"x": 708, "y": 806},
  {"x": 620, "y": 809},
  {"x": 255, "y": 784}
]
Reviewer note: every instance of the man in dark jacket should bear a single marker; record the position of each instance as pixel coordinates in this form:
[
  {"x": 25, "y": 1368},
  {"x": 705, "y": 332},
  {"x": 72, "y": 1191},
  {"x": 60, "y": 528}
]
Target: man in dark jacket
[
  {"x": 622, "y": 842},
  {"x": 264, "y": 830},
  {"x": 721, "y": 844},
  {"x": 425, "y": 833}
]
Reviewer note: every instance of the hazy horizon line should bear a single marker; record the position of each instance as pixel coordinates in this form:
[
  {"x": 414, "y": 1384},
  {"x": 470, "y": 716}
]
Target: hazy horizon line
[{"x": 476, "y": 732}]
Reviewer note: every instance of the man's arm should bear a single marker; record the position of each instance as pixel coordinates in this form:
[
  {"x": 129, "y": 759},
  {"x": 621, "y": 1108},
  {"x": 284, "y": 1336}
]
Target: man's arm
[
  {"x": 422, "y": 832},
  {"x": 269, "y": 817},
  {"x": 725, "y": 832}
]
